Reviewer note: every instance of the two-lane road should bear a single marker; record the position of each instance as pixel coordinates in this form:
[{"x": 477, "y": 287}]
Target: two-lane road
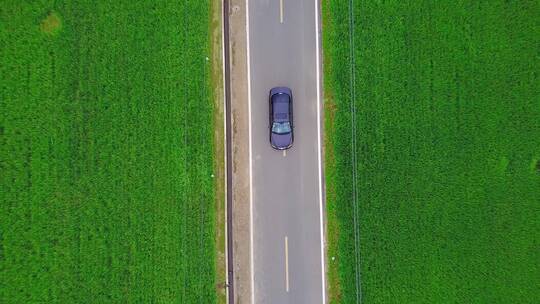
[{"x": 286, "y": 204}]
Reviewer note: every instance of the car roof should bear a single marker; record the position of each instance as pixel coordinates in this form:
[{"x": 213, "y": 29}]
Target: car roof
[{"x": 281, "y": 106}]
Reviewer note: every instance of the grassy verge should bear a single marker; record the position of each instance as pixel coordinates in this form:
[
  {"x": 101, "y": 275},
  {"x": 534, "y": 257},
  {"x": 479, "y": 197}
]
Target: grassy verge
[
  {"x": 106, "y": 132},
  {"x": 447, "y": 139},
  {"x": 332, "y": 224}
]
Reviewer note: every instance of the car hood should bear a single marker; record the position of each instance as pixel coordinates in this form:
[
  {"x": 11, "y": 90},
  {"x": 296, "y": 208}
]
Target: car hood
[{"x": 281, "y": 141}]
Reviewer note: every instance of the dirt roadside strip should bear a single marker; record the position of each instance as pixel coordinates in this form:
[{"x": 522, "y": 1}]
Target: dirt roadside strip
[
  {"x": 228, "y": 153},
  {"x": 237, "y": 151}
]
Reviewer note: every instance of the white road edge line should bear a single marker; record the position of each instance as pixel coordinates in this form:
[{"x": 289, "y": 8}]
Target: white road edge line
[
  {"x": 251, "y": 264},
  {"x": 286, "y": 264},
  {"x": 280, "y": 11},
  {"x": 225, "y": 142},
  {"x": 323, "y": 270}
]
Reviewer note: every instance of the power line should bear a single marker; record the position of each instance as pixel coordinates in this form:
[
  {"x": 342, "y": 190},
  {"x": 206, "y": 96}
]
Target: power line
[{"x": 353, "y": 151}]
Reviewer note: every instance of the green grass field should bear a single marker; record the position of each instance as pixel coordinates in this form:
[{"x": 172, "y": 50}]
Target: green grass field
[
  {"x": 106, "y": 130},
  {"x": 446, "y": 146}
]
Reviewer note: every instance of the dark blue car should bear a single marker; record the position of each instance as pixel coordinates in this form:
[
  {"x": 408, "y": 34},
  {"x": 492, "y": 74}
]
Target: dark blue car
[{"x": 281, "y": 118}]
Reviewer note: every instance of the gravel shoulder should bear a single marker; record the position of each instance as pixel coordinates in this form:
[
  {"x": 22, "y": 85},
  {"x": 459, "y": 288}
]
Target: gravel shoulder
[{"x": 240, "y": 151}]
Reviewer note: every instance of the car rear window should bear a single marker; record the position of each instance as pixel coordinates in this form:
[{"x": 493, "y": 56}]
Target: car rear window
[{"x": 280, "y": 98}]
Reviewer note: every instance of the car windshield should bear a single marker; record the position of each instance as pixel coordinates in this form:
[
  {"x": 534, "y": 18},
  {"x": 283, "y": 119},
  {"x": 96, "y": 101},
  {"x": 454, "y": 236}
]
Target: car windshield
[{"x": 281, "y": 127}]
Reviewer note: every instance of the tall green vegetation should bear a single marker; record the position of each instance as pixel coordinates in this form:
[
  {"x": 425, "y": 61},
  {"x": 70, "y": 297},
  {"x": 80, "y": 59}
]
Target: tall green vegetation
[
  {"x": 446, "y": 146},
  {"x": 106, "y": 145}
]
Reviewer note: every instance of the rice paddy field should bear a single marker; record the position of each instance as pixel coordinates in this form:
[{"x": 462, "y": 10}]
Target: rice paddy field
[
  {"x": 432, "y": 151},
  {"x": 106, "y": 145}
]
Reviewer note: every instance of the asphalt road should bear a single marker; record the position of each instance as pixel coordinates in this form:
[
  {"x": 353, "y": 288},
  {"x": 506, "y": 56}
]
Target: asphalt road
[{"x": 286, "y": 202}]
